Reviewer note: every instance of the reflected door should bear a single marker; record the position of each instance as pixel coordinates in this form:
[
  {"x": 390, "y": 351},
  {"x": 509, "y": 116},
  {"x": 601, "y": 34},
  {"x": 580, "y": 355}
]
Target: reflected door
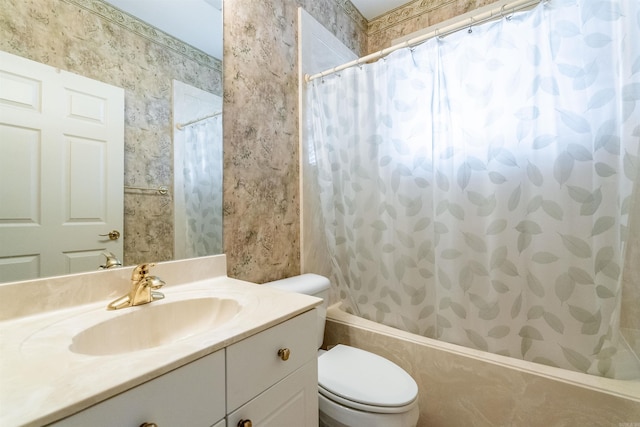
[{"x": 61, "y": 170}]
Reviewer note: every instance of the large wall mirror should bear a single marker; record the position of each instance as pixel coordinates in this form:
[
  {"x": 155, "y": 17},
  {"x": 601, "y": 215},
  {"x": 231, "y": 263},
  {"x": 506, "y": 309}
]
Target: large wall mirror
[{"x": 166, "y": 56}]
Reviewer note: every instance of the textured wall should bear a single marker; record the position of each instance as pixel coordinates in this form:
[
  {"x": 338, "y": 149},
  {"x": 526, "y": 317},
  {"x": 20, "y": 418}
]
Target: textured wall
[
  {"x": 90, "y": 38},
  {"x": 415, "y": 16},
  {"x": 261, "y": 167}
]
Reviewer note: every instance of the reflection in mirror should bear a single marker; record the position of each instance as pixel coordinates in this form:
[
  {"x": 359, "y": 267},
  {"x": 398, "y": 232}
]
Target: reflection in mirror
[
  {"x": 197, "y": 156},
  {"x": 94, "y": 39}
]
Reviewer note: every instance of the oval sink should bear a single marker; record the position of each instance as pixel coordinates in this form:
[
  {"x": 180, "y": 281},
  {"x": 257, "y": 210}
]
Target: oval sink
[{"x": 152, "y": 325}]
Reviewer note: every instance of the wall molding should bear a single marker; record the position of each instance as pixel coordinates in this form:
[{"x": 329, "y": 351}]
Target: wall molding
[
  {"x": 113, "y": 14},
  {"x": 404, "y": 13}
]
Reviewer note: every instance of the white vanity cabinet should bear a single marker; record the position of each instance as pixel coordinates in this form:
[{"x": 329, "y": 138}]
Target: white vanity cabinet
[
  {"x": 268, "y": 390},
  {"x": 269, "y": 379},
  {"x": 192, "y": 395}
]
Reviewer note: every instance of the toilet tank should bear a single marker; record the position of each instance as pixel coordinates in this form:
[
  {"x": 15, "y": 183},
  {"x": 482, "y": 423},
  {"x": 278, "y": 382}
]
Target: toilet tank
[{"x": 308, "y": 284}]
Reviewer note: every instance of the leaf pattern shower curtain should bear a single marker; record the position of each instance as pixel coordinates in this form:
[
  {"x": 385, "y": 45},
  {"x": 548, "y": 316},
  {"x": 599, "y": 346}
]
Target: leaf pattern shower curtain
[
  {"x": 476, "y": 188},
  {"x": 203, "y": 187}
]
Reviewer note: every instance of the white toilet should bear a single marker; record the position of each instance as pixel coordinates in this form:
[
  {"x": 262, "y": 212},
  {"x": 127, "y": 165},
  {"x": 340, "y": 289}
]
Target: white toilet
[{"x": 356, "y": 388}]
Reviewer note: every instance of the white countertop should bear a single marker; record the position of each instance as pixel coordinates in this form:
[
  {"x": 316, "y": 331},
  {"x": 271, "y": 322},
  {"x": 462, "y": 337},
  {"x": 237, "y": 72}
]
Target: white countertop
[{"x": 42, "y": 380}]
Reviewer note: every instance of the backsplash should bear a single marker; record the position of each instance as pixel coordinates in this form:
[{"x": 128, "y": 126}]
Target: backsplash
[{"x": 38, "y": 296}]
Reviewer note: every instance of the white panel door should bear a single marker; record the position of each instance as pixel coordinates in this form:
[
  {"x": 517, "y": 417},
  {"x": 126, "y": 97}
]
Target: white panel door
[{"x": 61, "y": 170}]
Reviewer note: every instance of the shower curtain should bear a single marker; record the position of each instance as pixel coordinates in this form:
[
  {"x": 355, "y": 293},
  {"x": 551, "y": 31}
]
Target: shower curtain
[
  {"x": 203, "y": 187},
  {"x": 476, "y": 188}
]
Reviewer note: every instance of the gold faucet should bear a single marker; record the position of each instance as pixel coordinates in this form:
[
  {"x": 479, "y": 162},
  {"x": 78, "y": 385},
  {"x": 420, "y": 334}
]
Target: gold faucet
[
  {"x": 143, "y": 289},
  {"x": 112, "y": 261}
]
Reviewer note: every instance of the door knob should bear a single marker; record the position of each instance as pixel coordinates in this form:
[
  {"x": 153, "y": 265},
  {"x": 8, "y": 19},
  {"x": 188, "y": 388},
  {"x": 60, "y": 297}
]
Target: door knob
[
  {"x": 113, "y": 235},
  {"x": 244, "y": 423}
]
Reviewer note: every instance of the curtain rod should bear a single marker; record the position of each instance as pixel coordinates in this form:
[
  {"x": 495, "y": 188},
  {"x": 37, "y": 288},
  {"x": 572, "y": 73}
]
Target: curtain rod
[
  {"x": 438, "y": 32},
  {"x": 181, "y": 126}
]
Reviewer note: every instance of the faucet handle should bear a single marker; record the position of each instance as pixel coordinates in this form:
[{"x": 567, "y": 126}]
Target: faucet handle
[
  {"x": 112, "y": 261},
  {"x": 141, "y": 271}
]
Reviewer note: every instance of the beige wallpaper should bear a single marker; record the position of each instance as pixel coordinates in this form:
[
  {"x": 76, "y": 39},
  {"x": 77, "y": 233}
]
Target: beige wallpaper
[
  {"x": 91, "y": 38},
  {"x": 261, "y": 167}
]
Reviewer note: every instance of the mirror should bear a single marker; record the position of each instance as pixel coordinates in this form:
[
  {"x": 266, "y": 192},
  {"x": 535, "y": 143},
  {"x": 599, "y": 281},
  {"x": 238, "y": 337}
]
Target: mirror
[{"x": 95, "y": 39}]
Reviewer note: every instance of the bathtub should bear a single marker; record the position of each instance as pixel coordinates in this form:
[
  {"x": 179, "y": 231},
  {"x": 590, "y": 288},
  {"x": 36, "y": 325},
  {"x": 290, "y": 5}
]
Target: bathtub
[{"x": 465, "y": 387}]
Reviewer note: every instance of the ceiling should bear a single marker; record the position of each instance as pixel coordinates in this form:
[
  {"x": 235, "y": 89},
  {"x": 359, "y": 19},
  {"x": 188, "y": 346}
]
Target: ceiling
[
  {"x": 191, "y": 20},
  {"x": 371, "y": 9}
]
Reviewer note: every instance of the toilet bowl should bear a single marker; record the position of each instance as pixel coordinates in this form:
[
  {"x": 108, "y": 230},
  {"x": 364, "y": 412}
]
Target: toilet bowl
[{"x": 355, "y": 387}]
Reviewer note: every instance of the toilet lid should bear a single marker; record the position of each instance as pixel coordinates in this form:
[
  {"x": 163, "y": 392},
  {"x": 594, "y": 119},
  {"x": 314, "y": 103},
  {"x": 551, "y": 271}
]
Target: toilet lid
[{"x": 366, "y": 378}]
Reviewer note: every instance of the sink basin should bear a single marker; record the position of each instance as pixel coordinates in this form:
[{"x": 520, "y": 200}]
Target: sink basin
[{"x": 154, "y": 324}]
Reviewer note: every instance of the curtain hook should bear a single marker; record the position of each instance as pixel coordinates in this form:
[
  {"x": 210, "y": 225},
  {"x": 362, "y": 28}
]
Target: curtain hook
[
  {"x": 508, "y": 17},
  {"x": 470, "y": 25}
]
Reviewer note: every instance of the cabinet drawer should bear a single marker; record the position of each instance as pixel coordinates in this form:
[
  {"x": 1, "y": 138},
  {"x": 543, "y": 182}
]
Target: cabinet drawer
[
  {"x": 253, "y": 364},
  {"x": 192, "y": 395}
]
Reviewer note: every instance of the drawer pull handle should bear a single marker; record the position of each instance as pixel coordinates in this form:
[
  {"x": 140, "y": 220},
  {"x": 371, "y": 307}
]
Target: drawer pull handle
[
  {"x": 245, "y": 423},
  {"x": 148, "y": 425},
  {"x": 284, "y": 353}
]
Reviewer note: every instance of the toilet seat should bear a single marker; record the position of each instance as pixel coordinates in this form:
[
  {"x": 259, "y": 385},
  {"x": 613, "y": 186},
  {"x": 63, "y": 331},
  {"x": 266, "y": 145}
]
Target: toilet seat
[{"x": 365, "y": 381}]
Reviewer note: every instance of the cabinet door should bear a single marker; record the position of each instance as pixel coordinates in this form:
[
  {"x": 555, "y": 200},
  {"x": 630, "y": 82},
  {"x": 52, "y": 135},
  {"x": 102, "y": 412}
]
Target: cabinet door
[
  {"x": 193, "y": 395},
  {"x": 290, "y": 402}
]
